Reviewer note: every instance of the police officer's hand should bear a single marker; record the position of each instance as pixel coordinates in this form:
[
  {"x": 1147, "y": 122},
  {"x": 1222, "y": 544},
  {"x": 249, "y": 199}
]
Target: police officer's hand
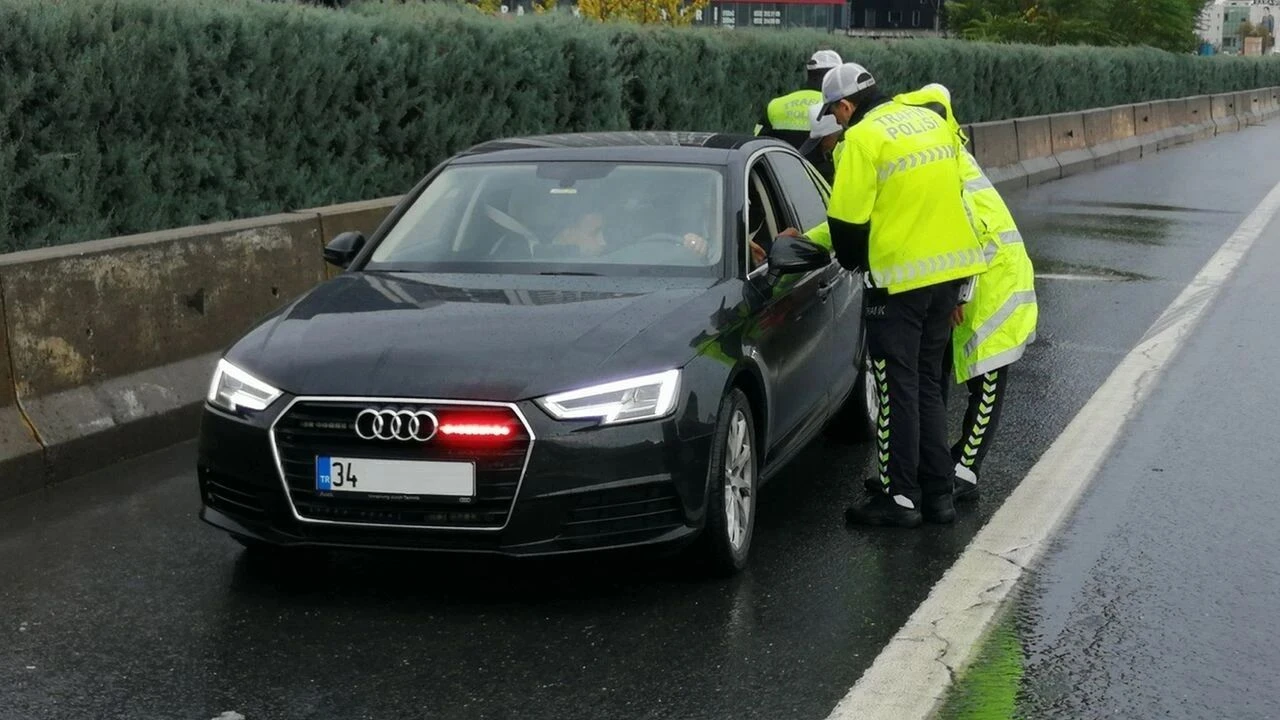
[{"x": 957, "y": 316}]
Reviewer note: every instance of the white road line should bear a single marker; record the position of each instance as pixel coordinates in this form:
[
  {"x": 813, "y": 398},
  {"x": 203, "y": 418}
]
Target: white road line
[{"x": 912, "y": 674}]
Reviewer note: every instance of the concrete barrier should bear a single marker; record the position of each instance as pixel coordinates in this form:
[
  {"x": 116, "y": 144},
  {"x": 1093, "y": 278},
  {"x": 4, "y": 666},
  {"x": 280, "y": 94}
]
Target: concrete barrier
[
  {"x": 1035, "y": 149},
  {"x": 1069, "y": 147},
  {"x": 364, "y": 217},
  {"x": 1223, "y": 108},
  {"x": 1245, "y": 110},
  {"x": 21, "y": 455},
  {"x": 1200, "y": 116},
  {"x": 1147, "y": 128},
  {"x": 1109, "y": 135},
  {"x": 1177, "y": 131},
  {"x": 85, "y": 369},
  {"x": 995, "y": 146}
]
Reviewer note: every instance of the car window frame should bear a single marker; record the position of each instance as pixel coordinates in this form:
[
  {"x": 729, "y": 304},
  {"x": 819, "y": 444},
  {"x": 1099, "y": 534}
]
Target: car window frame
[
  {"x": 784, "y": 214},
  {"x": 807, "y": 169}
]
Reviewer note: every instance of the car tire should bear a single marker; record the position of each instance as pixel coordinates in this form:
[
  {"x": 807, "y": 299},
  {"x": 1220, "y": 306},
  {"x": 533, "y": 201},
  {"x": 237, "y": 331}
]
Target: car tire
[{"x": 732, "y": 480}]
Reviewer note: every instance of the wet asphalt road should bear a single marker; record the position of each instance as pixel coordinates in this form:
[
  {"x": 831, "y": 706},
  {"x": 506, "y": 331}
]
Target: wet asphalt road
[
  {"x": 116, "y": 602},
  {"x": 1160, "y": 599}
]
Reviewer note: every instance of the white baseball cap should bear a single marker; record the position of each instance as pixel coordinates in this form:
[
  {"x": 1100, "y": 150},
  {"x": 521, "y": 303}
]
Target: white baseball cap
[
  {"x": 820, "y": 126},
  {"x": 824, "y": 60},
  {"x": 939, "y": 88},
  {"x": 843, "y": 81}
]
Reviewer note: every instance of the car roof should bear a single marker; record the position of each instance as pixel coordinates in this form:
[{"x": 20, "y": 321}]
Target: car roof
[{"x": 653, "y": 146}]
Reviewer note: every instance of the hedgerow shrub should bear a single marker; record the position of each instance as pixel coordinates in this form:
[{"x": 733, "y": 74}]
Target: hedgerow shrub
[{"x": 122, "y": 116}]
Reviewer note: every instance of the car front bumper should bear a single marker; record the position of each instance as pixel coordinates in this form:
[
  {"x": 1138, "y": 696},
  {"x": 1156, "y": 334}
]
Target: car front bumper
[{"x": 580, "y": 488}]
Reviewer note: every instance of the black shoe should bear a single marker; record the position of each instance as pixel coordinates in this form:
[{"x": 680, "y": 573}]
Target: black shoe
[
  {"x": 965, "y": 490},
  {"x": 965, "y": 486},
  {"x": 939, "y": 509},
  {"x": 873, "y": 485},
  {"x": 881, "y": 510}
]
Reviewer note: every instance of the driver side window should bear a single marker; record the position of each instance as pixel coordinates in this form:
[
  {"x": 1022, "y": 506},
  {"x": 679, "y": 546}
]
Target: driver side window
[{"x": 763, "y": 218}]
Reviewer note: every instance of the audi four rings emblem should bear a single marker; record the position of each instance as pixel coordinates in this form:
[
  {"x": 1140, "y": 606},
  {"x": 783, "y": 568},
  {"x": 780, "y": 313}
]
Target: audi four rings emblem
[{"x": 388, "y": 424}]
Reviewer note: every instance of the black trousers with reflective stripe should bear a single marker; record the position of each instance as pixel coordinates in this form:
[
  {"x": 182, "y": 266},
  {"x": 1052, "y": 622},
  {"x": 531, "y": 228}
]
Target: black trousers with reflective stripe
[
  {"x": 908, "y": 339},
  {"x": 981, "y": 416}
]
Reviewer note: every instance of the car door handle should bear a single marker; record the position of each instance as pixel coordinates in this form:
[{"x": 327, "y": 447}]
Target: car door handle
[{"x": 825, "y": 289}]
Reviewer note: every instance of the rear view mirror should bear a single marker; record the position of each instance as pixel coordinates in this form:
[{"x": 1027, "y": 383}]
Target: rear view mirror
[
  {"x": 343, "y": 249},
  {"x": 790, "y": 255}
]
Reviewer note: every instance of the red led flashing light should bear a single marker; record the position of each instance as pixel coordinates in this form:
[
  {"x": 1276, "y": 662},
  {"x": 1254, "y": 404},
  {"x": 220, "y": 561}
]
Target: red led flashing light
[{"x": 475, "y": 430}]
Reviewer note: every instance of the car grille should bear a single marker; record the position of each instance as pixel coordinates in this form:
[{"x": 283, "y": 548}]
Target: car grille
[
  {"x": 621, "y": 511},
  {"x": 313, "y": 428}
]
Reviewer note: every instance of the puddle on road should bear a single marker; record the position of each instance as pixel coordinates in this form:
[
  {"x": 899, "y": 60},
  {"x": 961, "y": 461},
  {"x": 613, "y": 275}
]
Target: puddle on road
[
  {"x": 1057, "y": 270},
  {"x": 1150, "y": 207},
  {"x": 1129, "y": 229}
]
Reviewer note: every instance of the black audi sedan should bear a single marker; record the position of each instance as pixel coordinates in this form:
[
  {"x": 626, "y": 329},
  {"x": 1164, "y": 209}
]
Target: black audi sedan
[{"x": 551, "y": 345}]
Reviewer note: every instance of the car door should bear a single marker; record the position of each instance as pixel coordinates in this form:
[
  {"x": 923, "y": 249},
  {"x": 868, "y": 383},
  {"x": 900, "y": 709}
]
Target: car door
[
  {"x": 788, "y": 333},
  {"x": 808, "y": 194}
]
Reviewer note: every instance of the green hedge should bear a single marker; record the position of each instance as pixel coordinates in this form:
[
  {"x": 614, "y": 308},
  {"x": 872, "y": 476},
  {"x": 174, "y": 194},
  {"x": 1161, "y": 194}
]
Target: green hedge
[{"x": 121, "y": 116}]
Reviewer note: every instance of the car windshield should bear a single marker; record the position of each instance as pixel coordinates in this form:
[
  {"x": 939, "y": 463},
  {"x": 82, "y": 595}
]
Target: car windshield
[{"x": 590, "y": 218}]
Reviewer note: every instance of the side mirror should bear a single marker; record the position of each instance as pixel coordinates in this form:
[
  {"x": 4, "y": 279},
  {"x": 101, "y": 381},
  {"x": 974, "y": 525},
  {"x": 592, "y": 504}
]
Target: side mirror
[
  {"x": 791, "y": 255},
  {"x": 343, "y": 249}
]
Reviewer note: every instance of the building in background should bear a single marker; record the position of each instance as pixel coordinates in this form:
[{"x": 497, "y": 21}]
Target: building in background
[
  {"x": 1209, "y": 27},
  {"x": 895, "y": 17},
  {"x": 827, "y": 15},
  {"x": 1220, "y": 25}
]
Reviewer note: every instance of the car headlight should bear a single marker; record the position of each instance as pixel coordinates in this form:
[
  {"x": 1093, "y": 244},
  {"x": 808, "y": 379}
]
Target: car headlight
[
  {"x": 641, "y": 398},
  {"x": 234, "y": 389}
]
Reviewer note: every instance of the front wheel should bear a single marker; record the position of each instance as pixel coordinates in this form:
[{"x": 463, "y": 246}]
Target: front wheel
[{"x": 731, "y": 508}]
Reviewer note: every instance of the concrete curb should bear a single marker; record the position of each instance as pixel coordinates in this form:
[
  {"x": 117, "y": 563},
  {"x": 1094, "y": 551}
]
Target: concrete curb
[{"x": 79, "y": 389}]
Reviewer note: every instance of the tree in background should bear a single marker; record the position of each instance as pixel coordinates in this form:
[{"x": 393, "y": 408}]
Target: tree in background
[
  {"x": 1036, "y": 22},
  {"x": 1248, "y": 30},
  {"x": 494, "y": 7},
  {"x": 665, "y": 12},
  {"x": 1165, "y": 24}
]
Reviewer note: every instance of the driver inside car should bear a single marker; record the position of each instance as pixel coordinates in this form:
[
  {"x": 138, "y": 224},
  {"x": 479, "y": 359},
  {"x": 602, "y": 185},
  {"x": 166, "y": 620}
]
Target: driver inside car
[
  {"x": 586, "y": 234},
  {"x": 684, "y": 215}
]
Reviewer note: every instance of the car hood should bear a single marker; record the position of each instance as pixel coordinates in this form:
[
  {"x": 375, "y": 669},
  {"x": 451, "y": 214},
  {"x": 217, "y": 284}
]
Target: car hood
[{"x": 472, "y": 337}]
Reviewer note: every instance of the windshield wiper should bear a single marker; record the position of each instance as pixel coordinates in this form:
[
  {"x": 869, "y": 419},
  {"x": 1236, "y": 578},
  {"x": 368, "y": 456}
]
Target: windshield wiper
[{"x": 569, "y": 272}]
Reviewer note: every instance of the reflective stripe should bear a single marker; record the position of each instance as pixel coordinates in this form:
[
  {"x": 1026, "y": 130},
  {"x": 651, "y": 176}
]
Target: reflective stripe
[
  {"x": 999, "y": 360},
  {"x": 1008, "y": 237},
  {"x": 1015, "y": 301},
  {"x": 881, "y": 379},
  {"x": 979, "y": 184},
  {"x": 916, "y": 159},
  {"x": 925, "y": 268}
]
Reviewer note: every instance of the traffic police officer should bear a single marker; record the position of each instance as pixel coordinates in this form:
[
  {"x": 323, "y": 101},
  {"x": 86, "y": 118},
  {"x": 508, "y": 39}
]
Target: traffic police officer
[
  {"x": 787, "y": 117},
  {"x": 823, "y": 145},
  {"x": 993, "y": 329},
  {"x": 897, "y": 212}
]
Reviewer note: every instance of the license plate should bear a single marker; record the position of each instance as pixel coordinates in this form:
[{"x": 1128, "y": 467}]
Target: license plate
[{"x": 395, "y": 477}]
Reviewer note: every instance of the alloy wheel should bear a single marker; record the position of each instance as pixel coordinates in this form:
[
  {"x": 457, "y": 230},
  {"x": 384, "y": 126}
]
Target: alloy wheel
[{"x": 739, "y": 480}]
